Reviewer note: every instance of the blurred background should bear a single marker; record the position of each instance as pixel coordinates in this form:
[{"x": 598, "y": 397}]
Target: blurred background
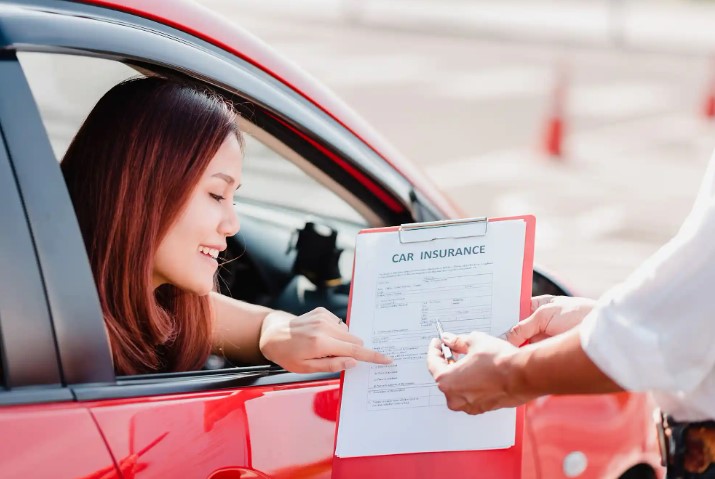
[{"x": 597, "y": 116}]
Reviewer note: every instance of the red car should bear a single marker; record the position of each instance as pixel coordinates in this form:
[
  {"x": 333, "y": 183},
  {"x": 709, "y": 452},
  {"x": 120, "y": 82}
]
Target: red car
[{"x": 63, "y": 411}]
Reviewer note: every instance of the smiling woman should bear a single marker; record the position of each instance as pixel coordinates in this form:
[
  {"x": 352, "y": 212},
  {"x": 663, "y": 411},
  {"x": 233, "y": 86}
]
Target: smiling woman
[
  {"x": 151, "y": 174},
  {"x": 207, "y": 219}
]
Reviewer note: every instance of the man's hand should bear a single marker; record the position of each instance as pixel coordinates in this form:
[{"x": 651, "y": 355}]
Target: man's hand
[
  {"x": 479, "y": 381},
  {"x": 317, "y": 341},
  {"x": 550, "y": 315}
]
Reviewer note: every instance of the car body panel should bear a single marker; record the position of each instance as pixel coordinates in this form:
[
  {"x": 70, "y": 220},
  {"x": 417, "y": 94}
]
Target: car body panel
[
  {"x": 276, "y": 431},
  {"x": 52, "y": 440},
  {"x": 593, "y": 424}
]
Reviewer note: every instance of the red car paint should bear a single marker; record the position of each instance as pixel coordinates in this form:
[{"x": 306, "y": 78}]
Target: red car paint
[
  {"x": 253, "y": 432},
  {"x": 52, "y": 440}
]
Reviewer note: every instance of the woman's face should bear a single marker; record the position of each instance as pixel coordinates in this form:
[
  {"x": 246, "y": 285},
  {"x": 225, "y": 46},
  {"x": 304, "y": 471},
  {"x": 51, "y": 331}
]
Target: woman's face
[{"x": 187, "y": 256}]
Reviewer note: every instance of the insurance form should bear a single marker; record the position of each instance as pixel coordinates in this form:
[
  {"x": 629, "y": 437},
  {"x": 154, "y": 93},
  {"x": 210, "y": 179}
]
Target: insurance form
[{"x": 399, "y": 289}]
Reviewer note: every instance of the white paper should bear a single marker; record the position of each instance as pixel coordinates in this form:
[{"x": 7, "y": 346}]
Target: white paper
[{"x": 398, "y": 291}]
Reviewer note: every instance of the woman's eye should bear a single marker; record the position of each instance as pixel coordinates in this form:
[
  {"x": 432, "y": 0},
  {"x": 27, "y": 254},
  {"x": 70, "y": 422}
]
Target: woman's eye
[{"x": 218, "y": 198}]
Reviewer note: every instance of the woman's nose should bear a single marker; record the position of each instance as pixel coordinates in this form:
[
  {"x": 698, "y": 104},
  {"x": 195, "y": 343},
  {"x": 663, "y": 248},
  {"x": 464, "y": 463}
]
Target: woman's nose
[{"x": 230, "y": 225}]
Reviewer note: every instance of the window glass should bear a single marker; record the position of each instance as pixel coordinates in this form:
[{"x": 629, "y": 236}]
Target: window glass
[
  {"x": 66, "y": 88},
  {"x": 271, "y": 179}
]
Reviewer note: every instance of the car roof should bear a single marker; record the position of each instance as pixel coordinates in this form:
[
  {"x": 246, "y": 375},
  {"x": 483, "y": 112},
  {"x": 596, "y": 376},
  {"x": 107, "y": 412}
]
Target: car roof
[{"x": 203, "y": 23}]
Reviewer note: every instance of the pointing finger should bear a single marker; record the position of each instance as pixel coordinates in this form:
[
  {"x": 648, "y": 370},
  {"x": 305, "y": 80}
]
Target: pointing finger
[
  {"x": 333, "y": 365},
  {"x": 337, "y": 347}
]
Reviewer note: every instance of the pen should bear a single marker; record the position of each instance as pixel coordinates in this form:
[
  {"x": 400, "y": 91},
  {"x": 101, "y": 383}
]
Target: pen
[
  {"x": 503, "y": 335},
  {"x": 446, "y": 352}
]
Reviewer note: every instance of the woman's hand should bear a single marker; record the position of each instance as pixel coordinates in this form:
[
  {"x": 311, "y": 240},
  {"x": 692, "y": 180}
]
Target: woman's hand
[
  {"x": 317, "y": 341},
  {"x": 550, "y": 315}
]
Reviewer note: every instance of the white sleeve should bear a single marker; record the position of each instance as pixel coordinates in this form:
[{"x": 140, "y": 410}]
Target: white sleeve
[{"x": 656, "y": 331}]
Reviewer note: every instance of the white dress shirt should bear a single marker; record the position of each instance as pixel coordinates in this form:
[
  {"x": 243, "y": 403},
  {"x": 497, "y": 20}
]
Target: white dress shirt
[{"x": 656, "y": 331}]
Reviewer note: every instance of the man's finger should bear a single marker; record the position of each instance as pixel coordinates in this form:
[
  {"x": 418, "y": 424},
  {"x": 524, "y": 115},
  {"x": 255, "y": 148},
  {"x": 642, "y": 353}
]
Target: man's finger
[
  {"x": 523, "y": 331},
  {"x": 538, "y": 337},
  {"x": 457, "y": 402},
  {"x": 458, "y": 344},
  {"x": 473, "y": 409},
  {"x": 539, "y": 301}
]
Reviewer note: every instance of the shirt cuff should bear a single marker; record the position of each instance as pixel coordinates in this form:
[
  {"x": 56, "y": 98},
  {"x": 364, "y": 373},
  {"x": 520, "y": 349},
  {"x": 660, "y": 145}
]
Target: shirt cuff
[{"x": 634, "y": 364}]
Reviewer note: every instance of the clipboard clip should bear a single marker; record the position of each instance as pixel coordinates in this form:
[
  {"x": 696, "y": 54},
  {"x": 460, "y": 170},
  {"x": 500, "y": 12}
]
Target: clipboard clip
[{"x": 436, "y": 230}]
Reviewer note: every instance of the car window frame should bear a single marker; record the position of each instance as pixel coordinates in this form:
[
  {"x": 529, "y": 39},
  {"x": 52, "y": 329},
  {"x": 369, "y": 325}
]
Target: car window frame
[
  {"x": 67, "y": 278},
  {"x": 21, "y": 30},
  {"x": 28, "y": 350}
]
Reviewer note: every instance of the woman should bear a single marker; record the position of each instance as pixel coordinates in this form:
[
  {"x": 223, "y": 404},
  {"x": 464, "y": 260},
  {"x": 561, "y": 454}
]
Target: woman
[{"x": 151, "y": 173}]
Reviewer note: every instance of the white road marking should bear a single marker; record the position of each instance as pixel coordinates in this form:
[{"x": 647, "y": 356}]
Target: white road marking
[
  {"x": 614, "y": 101},
  {"x": 492, "y": 84}
]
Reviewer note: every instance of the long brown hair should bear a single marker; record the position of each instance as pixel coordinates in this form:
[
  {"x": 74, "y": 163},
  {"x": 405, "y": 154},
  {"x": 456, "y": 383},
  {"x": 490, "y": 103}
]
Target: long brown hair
[{"x": 130, "y": 170}]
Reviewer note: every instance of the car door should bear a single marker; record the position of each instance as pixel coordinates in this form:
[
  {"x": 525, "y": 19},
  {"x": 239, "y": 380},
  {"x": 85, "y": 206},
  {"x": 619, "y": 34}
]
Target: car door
[
  {"x": 215, "y": 423},
  {"x": 45, "y": 432}
]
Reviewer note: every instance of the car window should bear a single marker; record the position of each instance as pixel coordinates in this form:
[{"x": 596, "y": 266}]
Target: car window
[
  {"x": 279, "y": 185},
  {"x": 65, "y": 95}
]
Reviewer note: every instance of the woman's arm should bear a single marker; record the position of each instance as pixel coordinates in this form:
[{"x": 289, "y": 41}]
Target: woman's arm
[
  {"x": 237, "y": 329},
  {"x": 313, "y": 342}
]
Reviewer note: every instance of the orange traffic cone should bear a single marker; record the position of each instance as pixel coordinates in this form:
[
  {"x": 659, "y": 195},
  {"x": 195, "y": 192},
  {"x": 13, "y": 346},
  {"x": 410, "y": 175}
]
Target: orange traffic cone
[
  {"x": 709, "y": 105},
  {"x": 554, "y": 133}
]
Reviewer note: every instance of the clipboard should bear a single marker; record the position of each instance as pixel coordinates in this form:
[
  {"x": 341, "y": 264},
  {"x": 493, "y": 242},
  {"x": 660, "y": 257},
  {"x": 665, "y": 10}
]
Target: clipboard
[{"x": 484, "y": 464}]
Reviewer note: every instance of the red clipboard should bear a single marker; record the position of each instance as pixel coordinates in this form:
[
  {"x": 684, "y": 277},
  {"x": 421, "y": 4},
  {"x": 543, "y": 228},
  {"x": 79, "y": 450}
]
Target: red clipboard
[{"x": 483, "y": 464}]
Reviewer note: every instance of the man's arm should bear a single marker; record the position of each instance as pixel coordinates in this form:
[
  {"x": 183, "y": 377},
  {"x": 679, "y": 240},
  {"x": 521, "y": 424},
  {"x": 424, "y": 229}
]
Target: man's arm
[{"x": 557, "y": 365}]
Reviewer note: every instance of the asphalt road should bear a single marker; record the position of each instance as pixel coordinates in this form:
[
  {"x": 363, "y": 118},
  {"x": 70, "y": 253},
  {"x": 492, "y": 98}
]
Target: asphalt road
[{"x": 471, "y": 112}]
